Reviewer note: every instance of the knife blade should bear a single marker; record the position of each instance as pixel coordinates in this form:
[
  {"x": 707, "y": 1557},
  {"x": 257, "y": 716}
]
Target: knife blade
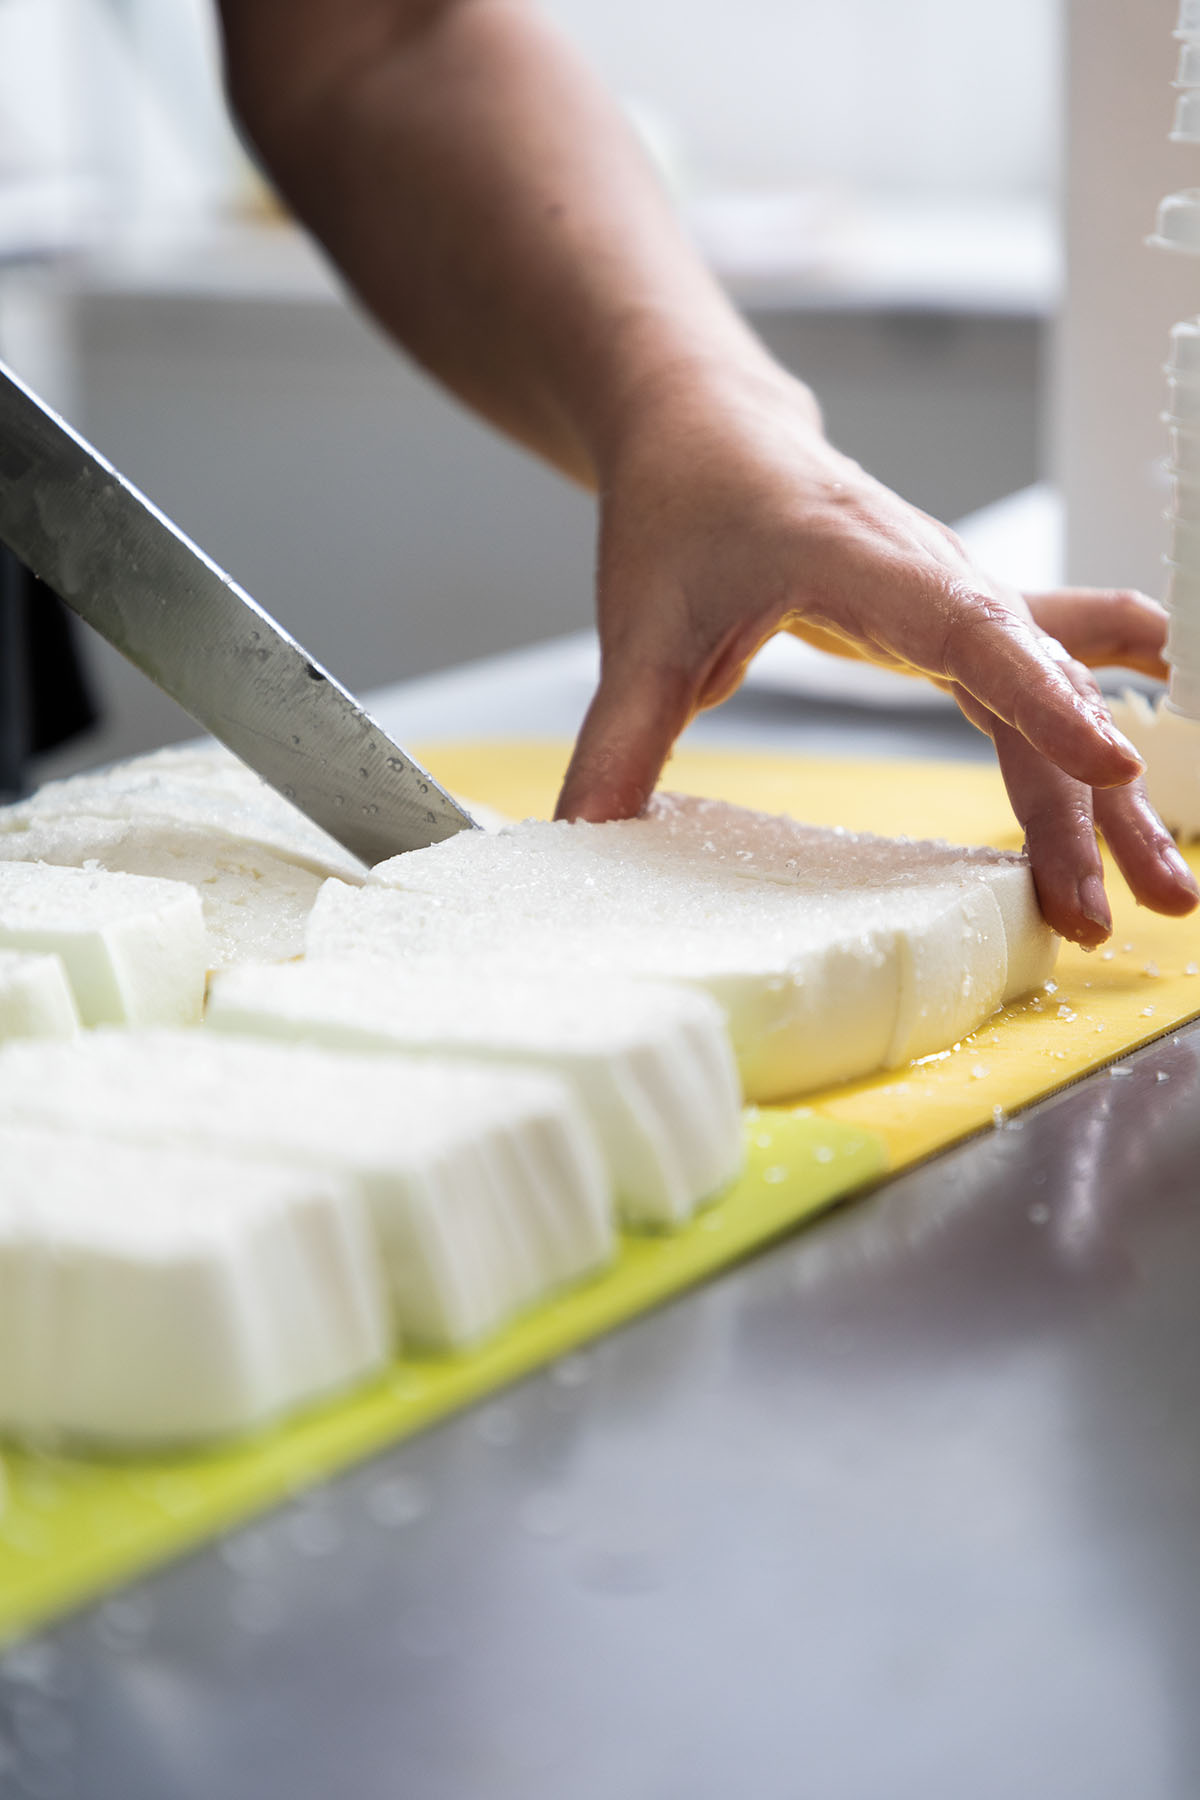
[{"x": 122, "y": 565}]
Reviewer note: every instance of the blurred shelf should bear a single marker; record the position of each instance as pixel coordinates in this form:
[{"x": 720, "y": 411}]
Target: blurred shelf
[
  {"x": 774, "y": 252},
  {"x": 910, "y": 255}
]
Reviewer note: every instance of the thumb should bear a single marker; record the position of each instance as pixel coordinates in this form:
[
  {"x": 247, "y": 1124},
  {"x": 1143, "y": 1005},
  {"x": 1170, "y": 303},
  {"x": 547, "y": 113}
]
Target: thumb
[{"x": 638, "y": 711}]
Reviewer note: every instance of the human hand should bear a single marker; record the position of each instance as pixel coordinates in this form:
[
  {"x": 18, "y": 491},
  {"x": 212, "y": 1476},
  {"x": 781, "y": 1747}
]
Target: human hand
[{"x": 726, "y": 517}]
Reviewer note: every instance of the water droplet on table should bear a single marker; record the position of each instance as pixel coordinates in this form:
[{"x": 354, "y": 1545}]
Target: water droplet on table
[
  {"x": 314, "y": 1532},
  {"x": 256, "y": 1608},
  {"x": 572, "y": 1371},
  {"x": 544, "y": 1514},
  {"x": 497, "y": 1426},
  {"x": 398, "y": 1501}
]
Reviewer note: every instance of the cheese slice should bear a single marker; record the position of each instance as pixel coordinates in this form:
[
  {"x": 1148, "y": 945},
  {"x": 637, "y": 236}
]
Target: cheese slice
[
  {"x": 35, "y": 996},
  {"x": 486, "y": 1185},
  {"x": 195, "y": 813},
  {"x": 831, "y": 954},
  {"x": 151, "y": 1296},
  {"x": 256, "y": 903},
  {"x": 135, "y": 950},
  {"x": 651, "y": 1064},
  {"x": 203, "y": 786}
]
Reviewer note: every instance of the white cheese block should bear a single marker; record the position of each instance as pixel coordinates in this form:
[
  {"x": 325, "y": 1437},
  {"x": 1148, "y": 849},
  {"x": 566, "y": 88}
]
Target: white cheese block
[
  {"x": 651, "y": 1064},
  {"x": 204, "y": 786},
  {"x": 255, "y": 902},
  {"x": 1169, "y": 745},
  {"x": 35, "y": 996},
  {"x": 157, "y": 1297},
  {"x": 135, "y": 950},
  {"x": 832, "y": 954},
  {"x": 487, "y": 1187}
]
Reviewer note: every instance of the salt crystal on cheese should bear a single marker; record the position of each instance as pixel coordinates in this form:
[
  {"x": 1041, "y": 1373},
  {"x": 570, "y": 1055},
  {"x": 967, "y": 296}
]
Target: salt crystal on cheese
[
  {"x": 204, "y": 786},
  {"x": 833, "y": 954}
]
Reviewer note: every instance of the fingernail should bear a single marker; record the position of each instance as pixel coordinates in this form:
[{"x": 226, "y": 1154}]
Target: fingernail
[
  {"x": 1093, "y": 902},
  {"x": 1177, "y": 867},
  {"x": 1118, "y": 740}
]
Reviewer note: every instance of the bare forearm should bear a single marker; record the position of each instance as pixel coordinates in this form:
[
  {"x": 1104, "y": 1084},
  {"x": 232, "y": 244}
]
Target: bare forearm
[
  {"x": 488, "y": 203},
  {"x": 485, "y": 198}
]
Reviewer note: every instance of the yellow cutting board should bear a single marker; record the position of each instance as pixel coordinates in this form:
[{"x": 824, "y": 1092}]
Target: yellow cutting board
[{"x": 69, "y": 1529}]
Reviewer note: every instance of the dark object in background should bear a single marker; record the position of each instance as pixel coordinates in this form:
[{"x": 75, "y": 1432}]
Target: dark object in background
[{"x": 45, "y": 699}]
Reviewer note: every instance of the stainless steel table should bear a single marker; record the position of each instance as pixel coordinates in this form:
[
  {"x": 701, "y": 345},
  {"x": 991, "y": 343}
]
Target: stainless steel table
[{"x": 908, "y": 1507}]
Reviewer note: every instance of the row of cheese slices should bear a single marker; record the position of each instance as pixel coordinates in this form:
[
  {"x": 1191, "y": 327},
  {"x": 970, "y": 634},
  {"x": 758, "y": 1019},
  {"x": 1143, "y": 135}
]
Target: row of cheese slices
[{"x": 492, "y": 1054}]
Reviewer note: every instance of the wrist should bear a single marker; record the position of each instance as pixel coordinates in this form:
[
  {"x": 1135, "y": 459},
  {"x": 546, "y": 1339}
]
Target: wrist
[{"x": 682, "y": 393}]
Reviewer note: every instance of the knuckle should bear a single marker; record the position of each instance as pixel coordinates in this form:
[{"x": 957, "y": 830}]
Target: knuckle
[
  {"x": 967, "y": 616},
  {"x": 1082, "y": 679}
]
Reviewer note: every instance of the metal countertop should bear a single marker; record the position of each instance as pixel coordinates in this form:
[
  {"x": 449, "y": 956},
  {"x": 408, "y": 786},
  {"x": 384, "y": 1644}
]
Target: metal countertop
[{"x": 906, "y": 1507}]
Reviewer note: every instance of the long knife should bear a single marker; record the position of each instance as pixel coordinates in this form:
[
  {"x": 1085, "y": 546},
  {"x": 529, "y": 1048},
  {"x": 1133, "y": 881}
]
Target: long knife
[{"x": 123, "y": 566}]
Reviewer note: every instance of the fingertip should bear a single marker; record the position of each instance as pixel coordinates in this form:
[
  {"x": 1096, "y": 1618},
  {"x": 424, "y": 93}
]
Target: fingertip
[
  {"x": 1078, "y": 911},
  {"x": 588, "y": 800},
  {"x": 602, "y": 783},
  {"x": 1070, "y": 923},
  {"x": 622, "y": 746},
  {"x": 1176, "y": 894},
  {"x": 1178, "y": 869},
  {"x": 1096, "y": 914},
  {"x": 1076, "y": 907},
  {"x": 1125, "y": 759},
  {"x": 1106, "y": 763}
]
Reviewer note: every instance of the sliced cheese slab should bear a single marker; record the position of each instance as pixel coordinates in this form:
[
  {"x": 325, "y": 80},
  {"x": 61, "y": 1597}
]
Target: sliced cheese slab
[
  {"x": 831, "y": 954},
  {"x": 486, "y": 1186},
  {"x": 35, "y": 996},
  {"x": 255, "y": 902},
  {"x": 204, "y": 786},
  {"x": 1169, "y": 744},
  {"x": 651, "y": 1064},
  {"x": 135, "y": 950},
  {"x": 151, "y": 1296}
]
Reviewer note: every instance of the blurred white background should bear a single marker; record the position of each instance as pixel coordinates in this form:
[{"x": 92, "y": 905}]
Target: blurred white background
[
  {"x": 874, "y": 180},
  {"x": 946, "y": 97},
  {"x": 881, "y": 96}
]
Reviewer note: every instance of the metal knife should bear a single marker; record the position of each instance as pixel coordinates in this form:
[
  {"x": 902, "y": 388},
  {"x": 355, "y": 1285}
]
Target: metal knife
[{"x": 123, "y": 566}]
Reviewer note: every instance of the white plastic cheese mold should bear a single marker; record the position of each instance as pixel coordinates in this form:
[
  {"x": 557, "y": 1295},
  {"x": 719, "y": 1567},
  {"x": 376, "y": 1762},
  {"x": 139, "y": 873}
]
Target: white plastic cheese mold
[
  {"x": 1169, "y": 744},
  {"x": 831, "y": 954},
  {"x": 151, "y": 1296},
  {"x": 486, "y": 1186},
  {"x": 651, "y": 1064}
]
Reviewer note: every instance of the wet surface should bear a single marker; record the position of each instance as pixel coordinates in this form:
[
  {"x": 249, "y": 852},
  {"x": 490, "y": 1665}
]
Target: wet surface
[{"x": 908, "y": 1506}]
